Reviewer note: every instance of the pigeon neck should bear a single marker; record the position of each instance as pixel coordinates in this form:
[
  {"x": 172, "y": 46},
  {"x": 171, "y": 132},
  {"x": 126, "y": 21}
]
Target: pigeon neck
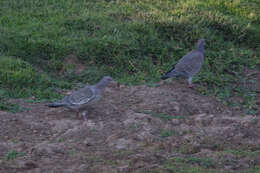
[
  {"x": 101, "y": 84},
  {"x": 200, "y": 48}
]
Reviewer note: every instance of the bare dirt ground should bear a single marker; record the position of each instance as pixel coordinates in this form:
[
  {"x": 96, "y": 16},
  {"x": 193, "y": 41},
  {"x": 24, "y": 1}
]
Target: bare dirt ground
[{"x": 167, "y": 128}]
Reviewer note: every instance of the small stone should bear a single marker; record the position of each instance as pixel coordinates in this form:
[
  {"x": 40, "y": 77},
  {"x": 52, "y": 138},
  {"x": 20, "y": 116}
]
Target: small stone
[
  {"x": 175, "y": 122},
  {"x": 30, "y": 164}
]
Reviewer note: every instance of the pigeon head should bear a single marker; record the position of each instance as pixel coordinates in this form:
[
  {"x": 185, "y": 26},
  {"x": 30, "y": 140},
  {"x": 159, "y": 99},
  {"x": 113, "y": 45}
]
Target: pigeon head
[
  {"x": 105, "y": 81},
  {"x": 201, "y": 44}
]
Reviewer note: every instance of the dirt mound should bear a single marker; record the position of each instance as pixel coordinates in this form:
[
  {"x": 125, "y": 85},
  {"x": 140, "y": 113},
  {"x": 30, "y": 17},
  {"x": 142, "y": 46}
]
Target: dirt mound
[{"x": 133, "y": 129}]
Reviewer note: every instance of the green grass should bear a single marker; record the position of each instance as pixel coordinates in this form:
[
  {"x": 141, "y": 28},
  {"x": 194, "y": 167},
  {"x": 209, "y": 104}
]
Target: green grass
[
  {"x": 256, "y": 169},
  {"x": 243, "y": 153},
  {"x": 5, "y": 105},
  {"x": 188, "y": 165},
  {"x": 14, "y": 154},
  {"x": 134, "y": 41},
  {"x": 167, "y": 133},
  {"x": 20, "y": 79}
]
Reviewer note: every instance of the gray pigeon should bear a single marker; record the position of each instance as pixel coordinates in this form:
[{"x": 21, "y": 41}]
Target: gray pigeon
[
  {"x": 189, "y": 65},
  {"x": 84, "y": 97}
]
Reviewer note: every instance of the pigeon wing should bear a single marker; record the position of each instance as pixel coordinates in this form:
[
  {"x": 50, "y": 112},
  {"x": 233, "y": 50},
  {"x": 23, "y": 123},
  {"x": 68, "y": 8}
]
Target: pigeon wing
[
  {"x": 190, "y": 64},
  {"x": 82, "y": 96}
]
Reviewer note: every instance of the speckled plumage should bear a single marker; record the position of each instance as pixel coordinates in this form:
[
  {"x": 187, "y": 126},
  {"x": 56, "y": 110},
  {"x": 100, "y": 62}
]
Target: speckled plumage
[
  {"x": 189, "y": 65},
  {"x": 84, "y": 97}
]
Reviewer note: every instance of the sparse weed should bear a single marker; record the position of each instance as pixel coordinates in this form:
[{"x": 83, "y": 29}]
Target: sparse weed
[
  {"x": 5, "y": 105},
  {"x": 204, "y": 162},
  {"x": 168, "y": 133},
  {"x": 189, "y": 165},
  {"x": 256, "y": 169},
  {"x": 243, "y": 153},
  {"x": 14, "y": 154}
]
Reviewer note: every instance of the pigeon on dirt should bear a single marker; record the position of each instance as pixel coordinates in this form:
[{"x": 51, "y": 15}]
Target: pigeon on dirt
[
  {"x": 84, "y": 97},
  {"x": 189, "y": 65}
]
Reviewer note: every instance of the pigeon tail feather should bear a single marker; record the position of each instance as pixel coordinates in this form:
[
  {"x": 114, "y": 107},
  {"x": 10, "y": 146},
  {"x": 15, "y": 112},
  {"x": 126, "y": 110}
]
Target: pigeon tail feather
[
  {"x": 169, "y": 74},
  {"x": 57, "y": 104},
  {"x": 164, "y": 77}
]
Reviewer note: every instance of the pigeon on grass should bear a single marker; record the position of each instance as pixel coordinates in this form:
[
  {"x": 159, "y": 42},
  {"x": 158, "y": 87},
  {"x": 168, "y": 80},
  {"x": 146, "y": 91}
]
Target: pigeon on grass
[
  {"x": 84, "y": 97},
  {"x": 189, "y": 65}
]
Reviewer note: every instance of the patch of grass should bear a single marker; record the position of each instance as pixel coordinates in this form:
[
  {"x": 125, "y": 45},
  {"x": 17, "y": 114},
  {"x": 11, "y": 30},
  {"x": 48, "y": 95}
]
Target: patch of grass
[
  {"x": 256, "y": 169},
  {"x": 124, "y": 153},
  {"x": 19, "y": 79},
  {"x": 11, "y": 107},
  {"x": 188, "y": 165},
  {"x": 168, "y": 133},
  {"x": 6, "y": 106},
  {"x": 14, "y": 154},
  {"x": 242, "y": 153},
  {"x": 133, "y": 41},
  {"x": 16, "y": 73},
  {"x": 91, "y": 75},
  {"x": 204, "y": 162}
]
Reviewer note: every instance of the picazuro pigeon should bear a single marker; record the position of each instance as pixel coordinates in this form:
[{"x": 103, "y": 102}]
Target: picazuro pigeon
[
  {"x": 84, "y": 97},
  {"x": 189, "y": 65}
]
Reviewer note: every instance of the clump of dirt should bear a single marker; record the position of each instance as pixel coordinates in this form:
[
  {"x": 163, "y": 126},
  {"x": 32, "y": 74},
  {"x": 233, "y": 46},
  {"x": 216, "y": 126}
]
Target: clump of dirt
[{"x": 133, "y": 129}]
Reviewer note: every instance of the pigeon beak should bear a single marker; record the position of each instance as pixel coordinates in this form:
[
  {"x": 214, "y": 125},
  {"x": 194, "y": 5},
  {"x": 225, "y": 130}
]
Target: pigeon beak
[{"x": 115, "y": 84}]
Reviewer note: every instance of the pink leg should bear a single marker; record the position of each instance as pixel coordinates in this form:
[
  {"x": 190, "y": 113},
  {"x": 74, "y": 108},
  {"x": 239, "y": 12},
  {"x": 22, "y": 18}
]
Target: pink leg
[
  {"x": 84, "y": 115},
  {"x": 190, "y": 82},
  {"x": 191, "y": 86}
]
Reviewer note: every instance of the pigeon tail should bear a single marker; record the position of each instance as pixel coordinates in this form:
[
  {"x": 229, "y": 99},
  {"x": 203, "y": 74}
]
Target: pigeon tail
[
  {"x": 57, "y": 104},
  {"x": 169, "y": 74},
  {"x": 164, "y": 77}
]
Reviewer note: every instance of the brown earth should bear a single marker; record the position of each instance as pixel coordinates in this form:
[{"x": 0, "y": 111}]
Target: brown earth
[{"x": 133, "y": 129}]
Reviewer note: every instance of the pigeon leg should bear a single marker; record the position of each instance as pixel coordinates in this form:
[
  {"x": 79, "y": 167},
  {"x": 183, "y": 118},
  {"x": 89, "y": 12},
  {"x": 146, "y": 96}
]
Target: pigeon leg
[
  {"x": 84, "y": 115},
  {"x": 190, "y": 82}
]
